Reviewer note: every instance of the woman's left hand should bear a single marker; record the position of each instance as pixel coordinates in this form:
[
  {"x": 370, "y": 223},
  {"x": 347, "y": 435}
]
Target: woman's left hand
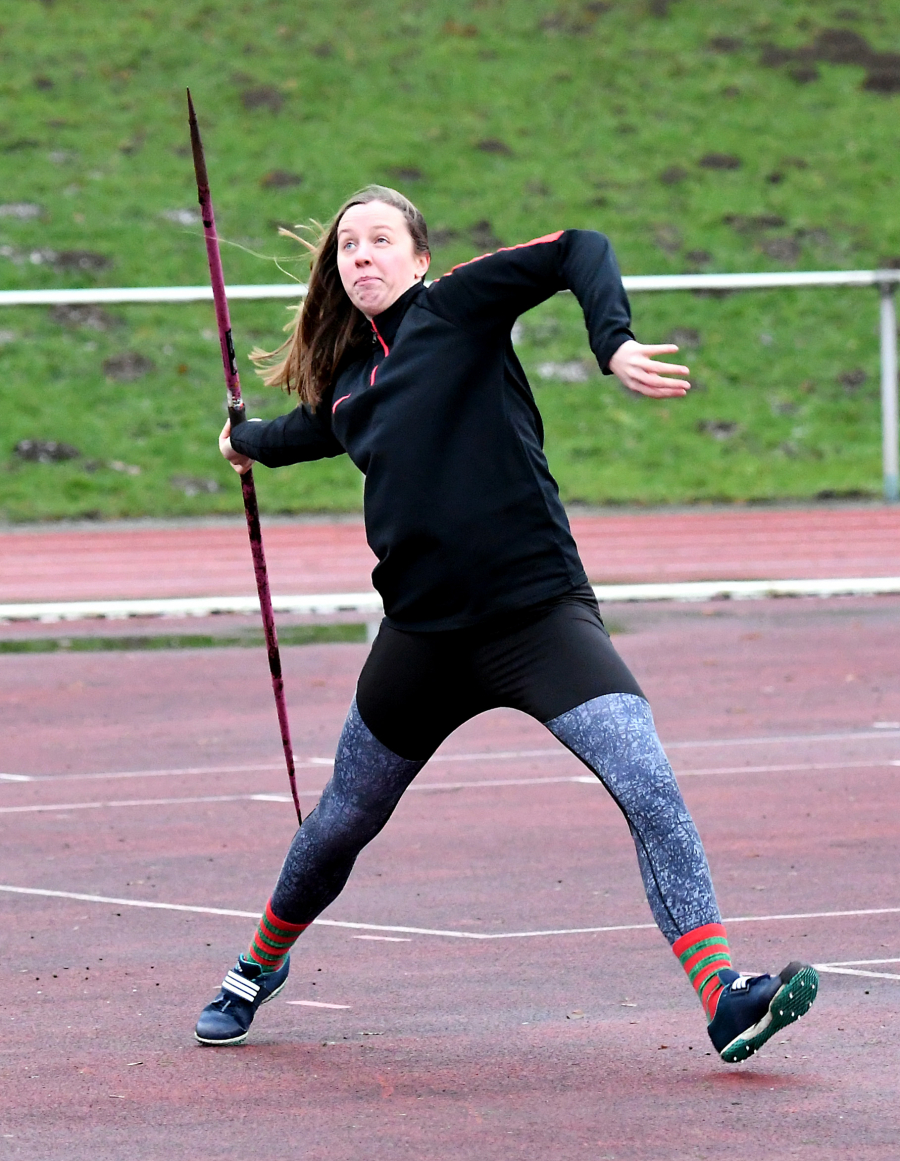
[{"x": 633, "y": 365}]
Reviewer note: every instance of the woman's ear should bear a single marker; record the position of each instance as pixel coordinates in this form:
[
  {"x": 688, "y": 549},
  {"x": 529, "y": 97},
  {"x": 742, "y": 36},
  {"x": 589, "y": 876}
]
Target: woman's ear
[{"x": 423, "y": 261}]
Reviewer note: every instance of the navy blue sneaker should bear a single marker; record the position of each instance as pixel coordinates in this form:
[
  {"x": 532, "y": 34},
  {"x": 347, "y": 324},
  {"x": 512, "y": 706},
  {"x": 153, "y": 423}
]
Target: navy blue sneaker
[
  {"x": 753, "y": 1008},
  {"x": 228, "y": 1018}
]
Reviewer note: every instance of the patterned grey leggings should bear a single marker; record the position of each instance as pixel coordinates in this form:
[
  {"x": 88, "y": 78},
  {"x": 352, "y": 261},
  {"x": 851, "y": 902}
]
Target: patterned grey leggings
[{"x": 613, "y": 735}]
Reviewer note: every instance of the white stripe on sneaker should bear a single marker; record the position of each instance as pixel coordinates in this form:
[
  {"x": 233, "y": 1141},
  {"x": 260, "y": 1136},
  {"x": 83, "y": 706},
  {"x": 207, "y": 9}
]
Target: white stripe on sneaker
[
  {"x": 236, "y": 990},
  {"x": 239, "y": 986}
]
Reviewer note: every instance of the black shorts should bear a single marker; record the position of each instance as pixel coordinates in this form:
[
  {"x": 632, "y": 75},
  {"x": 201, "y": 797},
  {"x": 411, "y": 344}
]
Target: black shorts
[{"x": 416, "y": 688}]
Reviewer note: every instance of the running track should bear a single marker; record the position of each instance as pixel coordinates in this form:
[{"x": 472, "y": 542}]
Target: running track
[
  {"x": 318, "y": 556},
  {"x": 433, "y": 1016}
]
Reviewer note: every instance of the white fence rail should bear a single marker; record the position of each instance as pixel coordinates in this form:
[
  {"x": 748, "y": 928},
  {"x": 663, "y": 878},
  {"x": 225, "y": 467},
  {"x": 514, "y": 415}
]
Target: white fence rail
[{"x": 885, "y": 280}]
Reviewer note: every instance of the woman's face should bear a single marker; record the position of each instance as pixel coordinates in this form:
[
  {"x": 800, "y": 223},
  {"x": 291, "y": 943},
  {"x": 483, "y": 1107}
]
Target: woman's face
[{"x": 377, "y": 260}]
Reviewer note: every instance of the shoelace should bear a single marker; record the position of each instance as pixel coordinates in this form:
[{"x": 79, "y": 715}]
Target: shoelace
[{"x": 224, "y": 1001}]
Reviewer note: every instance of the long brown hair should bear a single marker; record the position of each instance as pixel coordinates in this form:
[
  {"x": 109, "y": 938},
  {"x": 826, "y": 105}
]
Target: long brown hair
[{"x": 328, "y": 327}]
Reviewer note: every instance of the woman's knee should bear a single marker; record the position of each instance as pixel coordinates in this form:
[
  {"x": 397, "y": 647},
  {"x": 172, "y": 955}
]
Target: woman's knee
[
  {"x": 616, "y": 737},
  {"x": 343, "y": 827}
]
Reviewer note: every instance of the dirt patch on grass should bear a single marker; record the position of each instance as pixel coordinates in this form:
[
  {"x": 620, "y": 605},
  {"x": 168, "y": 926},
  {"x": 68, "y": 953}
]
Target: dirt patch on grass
[
  {"x": 88, "y": 316},
  {"x": 575, "y": 19},
  {"x": 674, "y": 175},
  {"x": 262, "y": 97},
  {"x": 782, "y": 247},
  {"x": 685, "y": 338},
  {"x": 852, "y": 380},
  {"x": 719, "y": 161},
  {"x": 127, "y": 367},
  {"x": 406, "y": 173},
  {"x": 493, "y": 145},
  {"x": 753, "y": 223},
  {"x": 280, "y": 179},
  {"x": 45, "y": 451},
  {"x": 725, "y": 44},
  {"x": 837, "y": 46},
  {"x": 195, "y": 486},
  {"x": 88, "y": 261},
  {"x": 483, "y": 236},
  {"x": 719, "y": 429},
  {"x": 668, "y": 238}
]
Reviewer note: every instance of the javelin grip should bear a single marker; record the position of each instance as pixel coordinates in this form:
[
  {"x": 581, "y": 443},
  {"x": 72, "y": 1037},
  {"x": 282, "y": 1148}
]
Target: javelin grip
[{"x": 237, "y": 416}]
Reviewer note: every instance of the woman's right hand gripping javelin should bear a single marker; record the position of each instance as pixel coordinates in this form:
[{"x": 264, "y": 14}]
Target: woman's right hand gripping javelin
[{"x": 240, "y": 463}]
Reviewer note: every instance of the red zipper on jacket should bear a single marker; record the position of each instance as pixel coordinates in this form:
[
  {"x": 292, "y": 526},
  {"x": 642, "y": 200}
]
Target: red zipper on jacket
[{"x": 386, "y": 351}]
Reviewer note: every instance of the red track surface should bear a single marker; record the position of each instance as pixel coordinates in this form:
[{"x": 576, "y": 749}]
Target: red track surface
[
  {"x": 564, "y": 1047},
  {"x": 319, "y": 557}
]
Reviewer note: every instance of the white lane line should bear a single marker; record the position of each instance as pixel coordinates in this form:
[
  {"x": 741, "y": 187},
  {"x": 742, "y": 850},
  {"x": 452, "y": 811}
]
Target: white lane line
[
  {"x": 843, "y": 971},
  {"x": 299, "y": 764},
  {"x": 385, "y": 938},
  {"x": 652, "y": 926},
  {"x": 435, "y": 787},
  {"x": 429, "y": 787},
  {"x": 228, "y": 911},
  {"x": 477, "y": 756},
  {"x": 858, "y": 962},
  {"x": 786, "y": 768},
  {"x": 186, "y": 771},
  {"x": 49, "y": 808},
  {"x": 784, "y": 739},
  {"x": 480, "y": 935},
  {"x": 316, "y": 1004}
]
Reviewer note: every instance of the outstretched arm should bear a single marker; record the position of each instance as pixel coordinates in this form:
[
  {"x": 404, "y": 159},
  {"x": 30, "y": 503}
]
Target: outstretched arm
[
  {"x": 494, "y": 290},
  {"x": 633, "y": 364}
]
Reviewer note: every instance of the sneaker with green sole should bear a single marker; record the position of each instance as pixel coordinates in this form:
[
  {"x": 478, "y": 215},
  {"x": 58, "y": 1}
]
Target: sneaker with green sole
[{"x": 753, "y": 1008}]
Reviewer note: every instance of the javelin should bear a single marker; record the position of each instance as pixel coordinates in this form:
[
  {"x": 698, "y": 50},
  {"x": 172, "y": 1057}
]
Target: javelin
[{"x": 236, "y": 415}]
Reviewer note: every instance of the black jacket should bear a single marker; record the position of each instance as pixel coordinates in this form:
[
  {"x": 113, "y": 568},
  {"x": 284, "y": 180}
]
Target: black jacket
[{"x": 460, "y": 506}]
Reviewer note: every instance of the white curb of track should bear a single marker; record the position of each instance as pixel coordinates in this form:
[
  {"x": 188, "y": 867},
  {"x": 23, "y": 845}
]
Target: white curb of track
[
  {"x": 369, "y": 604},
  {"x": 739, "y": 590}
]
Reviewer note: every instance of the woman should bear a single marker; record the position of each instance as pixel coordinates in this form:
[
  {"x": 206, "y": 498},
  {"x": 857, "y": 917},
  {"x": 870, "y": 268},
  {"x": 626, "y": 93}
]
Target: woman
[{"x": 486, "y": 600}]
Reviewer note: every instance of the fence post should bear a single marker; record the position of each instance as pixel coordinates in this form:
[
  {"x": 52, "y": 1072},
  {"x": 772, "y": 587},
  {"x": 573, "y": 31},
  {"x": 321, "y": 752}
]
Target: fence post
[{"x": 890, "y": 429}]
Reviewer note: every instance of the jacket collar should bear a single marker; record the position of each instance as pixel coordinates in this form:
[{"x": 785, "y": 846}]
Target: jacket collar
[{"x": 388, "y": 322}]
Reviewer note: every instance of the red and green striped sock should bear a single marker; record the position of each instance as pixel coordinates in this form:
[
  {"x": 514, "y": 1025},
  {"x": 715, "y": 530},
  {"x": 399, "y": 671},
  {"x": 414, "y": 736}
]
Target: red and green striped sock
[
  {"x": 703, "y": 953},
  {"x": 272, "y": 941}
]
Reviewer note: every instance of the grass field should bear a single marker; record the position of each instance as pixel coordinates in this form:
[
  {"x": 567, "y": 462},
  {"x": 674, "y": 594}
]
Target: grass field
[{"x": 736, "y": 136}]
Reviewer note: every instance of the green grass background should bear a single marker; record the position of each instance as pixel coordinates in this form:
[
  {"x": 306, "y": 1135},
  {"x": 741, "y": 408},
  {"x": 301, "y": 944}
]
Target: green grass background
[{"x": 590, "y": 106}]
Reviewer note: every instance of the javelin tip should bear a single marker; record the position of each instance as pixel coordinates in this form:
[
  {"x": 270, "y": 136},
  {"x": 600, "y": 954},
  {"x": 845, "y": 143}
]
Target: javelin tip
[{"x": 197, "y": 146}]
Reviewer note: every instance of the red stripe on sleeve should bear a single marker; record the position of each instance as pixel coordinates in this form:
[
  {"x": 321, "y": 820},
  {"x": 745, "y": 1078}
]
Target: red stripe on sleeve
[{"x": 502, "y": 249}]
